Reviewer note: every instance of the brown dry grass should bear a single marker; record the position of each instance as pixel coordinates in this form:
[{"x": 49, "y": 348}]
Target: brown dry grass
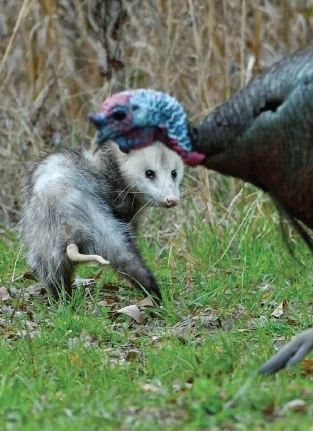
[{"x": 60, "y": 58}]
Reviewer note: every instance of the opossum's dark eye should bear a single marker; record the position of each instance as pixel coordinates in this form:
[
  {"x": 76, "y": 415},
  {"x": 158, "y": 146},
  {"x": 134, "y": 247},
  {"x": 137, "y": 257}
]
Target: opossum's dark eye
[
  {"x": 150, "y": 174},
  {"x": 174, "y": 173},
  {"x": 119, "y": 115}
]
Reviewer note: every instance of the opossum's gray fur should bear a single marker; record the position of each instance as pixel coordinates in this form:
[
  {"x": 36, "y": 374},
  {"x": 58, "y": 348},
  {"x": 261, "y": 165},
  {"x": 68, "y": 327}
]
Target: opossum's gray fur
[{"x": 72, "y": 196}]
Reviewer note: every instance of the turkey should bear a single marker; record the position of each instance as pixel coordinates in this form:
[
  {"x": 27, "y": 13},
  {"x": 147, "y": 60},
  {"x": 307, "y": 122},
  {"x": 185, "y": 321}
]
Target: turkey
[
  {"x": 290, "y": 354},
  {"x": 263, "y": 134}
]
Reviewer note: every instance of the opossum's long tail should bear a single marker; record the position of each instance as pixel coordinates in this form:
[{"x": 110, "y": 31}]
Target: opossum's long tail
[{"x": 74, "y": 255}]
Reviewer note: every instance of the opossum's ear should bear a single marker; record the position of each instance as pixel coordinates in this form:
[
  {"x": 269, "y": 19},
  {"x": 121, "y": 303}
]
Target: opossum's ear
[
  {"x": 120, "y": 151},
  {"x": 124, "y": 150},
  {"x": 74, "y": 255}
]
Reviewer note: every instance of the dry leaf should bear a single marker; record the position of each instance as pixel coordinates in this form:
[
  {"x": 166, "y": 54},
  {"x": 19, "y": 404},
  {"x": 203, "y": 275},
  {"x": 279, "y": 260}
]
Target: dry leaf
[
  {"x": 307, "y": 366},
  {"x": 269, "y": 409},
  {"x": 85, "y": 339},
  {"x": 98, "y": 275},
  {"x": 279, "y": 311},
  {"x": 36, "y": 290},
  {"x": 293, "y": 322},
  {"x": 145, "y": 303},
  {"x": 83, "y": 281},
  {"x": 75, "y": 360},
  {"x": 296, "y": 405},
  {"x": 181, "y": 387},
  {"x": 265, "y": 287},
  {"x": 28, "y": 276},
  {"x": 150, "y": 388},
  {"x": 110, "y": 287},
  {"x": 102, "y": 303},
  {"x": 132, "y": 355},
  {"x": 4, "y": 294},
  {"x": 133, "y": 312}
]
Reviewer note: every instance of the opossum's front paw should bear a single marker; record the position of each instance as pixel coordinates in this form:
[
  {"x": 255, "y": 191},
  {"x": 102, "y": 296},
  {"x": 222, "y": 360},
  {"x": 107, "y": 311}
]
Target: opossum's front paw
[
  {"x": 155, "y": 293},
  {"x": 157, "y": 300}
]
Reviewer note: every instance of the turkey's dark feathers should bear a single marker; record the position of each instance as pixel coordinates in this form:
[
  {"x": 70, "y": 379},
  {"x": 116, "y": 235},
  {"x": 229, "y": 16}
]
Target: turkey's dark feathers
[
  {"x": 283, "y": 211},
  {"x": 263, "y": 134},
  {"x": 264, "y": 94}
]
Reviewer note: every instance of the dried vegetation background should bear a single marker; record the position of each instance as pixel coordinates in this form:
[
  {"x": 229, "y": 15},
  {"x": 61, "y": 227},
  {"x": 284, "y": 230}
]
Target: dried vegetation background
[{"x": 60, "y": 58}]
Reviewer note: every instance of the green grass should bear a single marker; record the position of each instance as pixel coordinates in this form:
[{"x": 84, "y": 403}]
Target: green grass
[{"x": 68, "y": 367}]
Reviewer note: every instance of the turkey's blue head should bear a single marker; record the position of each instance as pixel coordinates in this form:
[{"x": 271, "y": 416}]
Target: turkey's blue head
[{"x": 137, "y": 118}]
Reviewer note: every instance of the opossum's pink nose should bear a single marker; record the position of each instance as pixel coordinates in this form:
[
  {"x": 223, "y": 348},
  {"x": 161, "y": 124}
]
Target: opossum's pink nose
[{"x": 171, "y": 201}]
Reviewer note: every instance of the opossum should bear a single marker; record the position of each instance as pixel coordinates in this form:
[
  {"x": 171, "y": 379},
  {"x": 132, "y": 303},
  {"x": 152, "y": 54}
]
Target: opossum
[{"x": 79, "y": 206}]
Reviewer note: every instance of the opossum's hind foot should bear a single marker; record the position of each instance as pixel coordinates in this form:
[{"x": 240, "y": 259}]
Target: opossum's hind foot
[
  {"x": 74, "y": 255},
  {"x": 61, "y": 290}
]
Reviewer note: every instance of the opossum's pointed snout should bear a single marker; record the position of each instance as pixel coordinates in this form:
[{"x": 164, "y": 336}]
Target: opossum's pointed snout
[{"x": 171, "y": 201}]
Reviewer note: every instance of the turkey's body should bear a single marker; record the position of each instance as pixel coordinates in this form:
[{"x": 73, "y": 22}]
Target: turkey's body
[
  {"x": 74, "y": 197},
  {"x": 263, "y": 134}
]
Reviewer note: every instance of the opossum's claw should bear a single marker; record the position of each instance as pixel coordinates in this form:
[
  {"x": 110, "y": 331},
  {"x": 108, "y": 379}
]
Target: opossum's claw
[
  {"x": 74, "y": 255},
  {"x": 156, "y": 296}
]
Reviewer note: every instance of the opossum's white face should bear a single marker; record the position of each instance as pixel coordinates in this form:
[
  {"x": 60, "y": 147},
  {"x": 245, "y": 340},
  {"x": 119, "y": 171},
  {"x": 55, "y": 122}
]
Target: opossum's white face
[{"x": 155, "y": 174}]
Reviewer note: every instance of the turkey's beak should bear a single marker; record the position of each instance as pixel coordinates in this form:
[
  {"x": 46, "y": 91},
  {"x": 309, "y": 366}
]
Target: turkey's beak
[{"x": 102, "y": 134}]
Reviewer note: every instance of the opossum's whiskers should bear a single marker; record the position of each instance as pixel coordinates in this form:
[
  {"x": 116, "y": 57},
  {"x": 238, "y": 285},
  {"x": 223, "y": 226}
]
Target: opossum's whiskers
[
  {"x": 126, "y": 190},
  {"x": 133, "y": 202},
  {"x": 140, "y": 209},
  {"x": 129, "y": 191}
]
